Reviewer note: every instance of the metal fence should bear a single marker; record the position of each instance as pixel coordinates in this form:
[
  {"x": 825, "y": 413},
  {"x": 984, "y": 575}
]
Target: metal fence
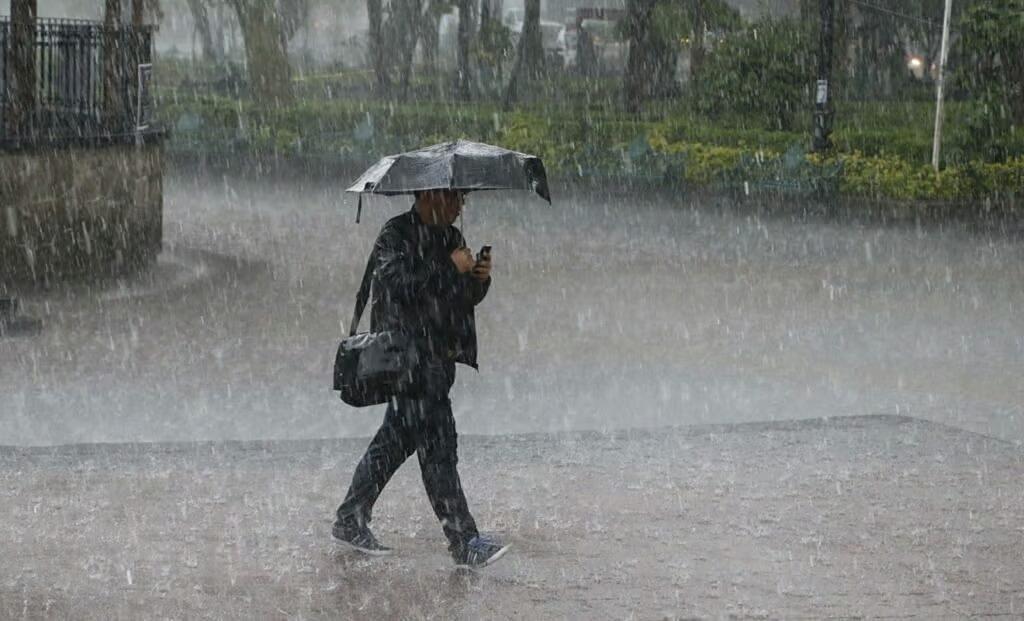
[{"x": 84, "y": 82}]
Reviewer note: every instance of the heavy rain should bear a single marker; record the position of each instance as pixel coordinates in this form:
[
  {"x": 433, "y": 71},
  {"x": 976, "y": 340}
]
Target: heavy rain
[{"x": 759, "y": 356}]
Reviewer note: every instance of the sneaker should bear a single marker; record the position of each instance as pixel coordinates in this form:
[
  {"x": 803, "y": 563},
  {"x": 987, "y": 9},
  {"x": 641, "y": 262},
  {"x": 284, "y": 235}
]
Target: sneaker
[
  {"x": 360, "y": 538},
  {"x": 480, "y": 551}
]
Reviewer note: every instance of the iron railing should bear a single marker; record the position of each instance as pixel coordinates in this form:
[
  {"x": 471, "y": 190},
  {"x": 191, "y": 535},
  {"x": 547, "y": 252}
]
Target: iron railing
[{"x": 76, "y": 95}]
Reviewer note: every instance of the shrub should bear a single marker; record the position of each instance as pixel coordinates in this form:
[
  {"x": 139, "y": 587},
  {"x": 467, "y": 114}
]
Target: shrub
[
  {"x": 991, "y": 44},
  {"x": 686, "y": 148}
]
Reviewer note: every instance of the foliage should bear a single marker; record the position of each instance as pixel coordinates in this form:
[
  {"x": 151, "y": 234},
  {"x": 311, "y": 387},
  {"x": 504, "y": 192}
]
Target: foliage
[
  {"x": 674, "y": 28},
  {"x": 992, "y": 48},
  {"x": 578, "y": 143},
  {"x": 760, "y": 72},
  {"x": 672, "y": 22},
  {"x": 492, "y": 49},
  {"x": 984, "y": 131},
  {"x": 889, "y": 177},
  {"x": 266, "y": 56},
  {"x": 492, "y": 46},
  {"x": 705, "y": 164}
]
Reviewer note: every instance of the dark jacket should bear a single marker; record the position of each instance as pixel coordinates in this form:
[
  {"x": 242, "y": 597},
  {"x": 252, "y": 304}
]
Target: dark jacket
[{"x": 417, "y": 290}]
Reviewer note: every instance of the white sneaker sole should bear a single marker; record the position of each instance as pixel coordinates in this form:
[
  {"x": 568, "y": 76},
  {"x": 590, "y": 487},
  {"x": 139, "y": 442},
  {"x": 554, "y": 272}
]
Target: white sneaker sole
[{"x": 494, "y": 559}]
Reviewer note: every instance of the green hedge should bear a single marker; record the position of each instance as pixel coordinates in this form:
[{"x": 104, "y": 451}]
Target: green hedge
[
  {"x": 889, "y": 177},
  {"x": 681, "y": 147}
]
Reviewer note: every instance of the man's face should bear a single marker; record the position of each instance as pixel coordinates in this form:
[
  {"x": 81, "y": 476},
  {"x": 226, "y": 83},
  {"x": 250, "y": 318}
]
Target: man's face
[{"x": 446, "y": 205}]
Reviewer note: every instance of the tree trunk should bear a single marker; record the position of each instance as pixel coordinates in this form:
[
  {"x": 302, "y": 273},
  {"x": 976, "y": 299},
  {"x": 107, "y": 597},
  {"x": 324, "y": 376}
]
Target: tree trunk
[
  {"x": 409, "y": 32},
  {"x": 429, "y": 24},
  {"x": 201, "y": 19},
  {"x": 641, "y": 66},
  {"x": 464, "y": 79},
  {"x": 113, "y": 78},
  {"x": 217, "y": 34},
  {"x": 533, "y": 44},
  {"x": 485, "y": 14},
  {"x": 667, "y": 60},
  {"x": 22, "y": 83},
  {"x": 378, "y": 47},
  {"x": 697, "y": 44},
  {"x": 137, "y": 13},
  {"x": 529, "y": 66},
  {"x": 138, "y": 55},
  {"x": 265, "y": 54}
]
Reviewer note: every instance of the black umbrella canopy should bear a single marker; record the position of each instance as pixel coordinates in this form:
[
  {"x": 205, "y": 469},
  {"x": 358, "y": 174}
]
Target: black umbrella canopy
[{"x": 460, "y": 165}]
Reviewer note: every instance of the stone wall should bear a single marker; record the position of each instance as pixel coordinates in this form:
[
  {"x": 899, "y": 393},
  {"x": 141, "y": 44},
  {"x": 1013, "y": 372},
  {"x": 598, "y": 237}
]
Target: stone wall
[{"x": 79, "y": 212}]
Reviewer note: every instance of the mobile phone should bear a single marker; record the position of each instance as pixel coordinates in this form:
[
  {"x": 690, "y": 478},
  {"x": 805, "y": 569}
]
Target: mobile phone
[{"x": 484, "y": 250}]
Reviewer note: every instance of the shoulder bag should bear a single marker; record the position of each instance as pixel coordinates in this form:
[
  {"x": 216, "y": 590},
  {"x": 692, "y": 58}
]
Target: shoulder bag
[{"x": 372, "y": 367}]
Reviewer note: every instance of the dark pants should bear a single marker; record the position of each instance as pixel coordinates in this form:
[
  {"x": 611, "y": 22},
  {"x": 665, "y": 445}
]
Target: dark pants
[{"x": 423, "y": 425}]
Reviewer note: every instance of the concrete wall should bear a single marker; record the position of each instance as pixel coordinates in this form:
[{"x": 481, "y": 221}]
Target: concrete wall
[{"x": 79, "y": 212}]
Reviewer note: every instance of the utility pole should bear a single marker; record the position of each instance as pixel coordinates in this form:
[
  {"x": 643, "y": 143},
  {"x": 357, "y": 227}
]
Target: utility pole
[
  {"x": 940, "y": 82},
  {"x": 823, "y": 113}
]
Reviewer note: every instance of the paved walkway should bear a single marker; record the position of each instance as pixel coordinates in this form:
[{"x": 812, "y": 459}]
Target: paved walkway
[
  {"x": 866, "y": 516},
  {"x": 608, "y": 310}
]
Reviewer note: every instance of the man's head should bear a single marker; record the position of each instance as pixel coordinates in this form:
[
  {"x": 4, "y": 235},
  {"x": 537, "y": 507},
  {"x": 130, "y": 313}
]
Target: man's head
[{"x": 440, "y": 207}]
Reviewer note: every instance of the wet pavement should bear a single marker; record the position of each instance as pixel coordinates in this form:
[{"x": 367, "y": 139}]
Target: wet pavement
[
  {"x": 608, "y": 311},
  {"x": 628, "y": 431},
  {"x": 859, "y": 517}
]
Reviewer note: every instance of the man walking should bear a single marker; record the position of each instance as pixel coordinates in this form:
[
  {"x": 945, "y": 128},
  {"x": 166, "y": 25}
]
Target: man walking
[{"x": 425, "y": 284}]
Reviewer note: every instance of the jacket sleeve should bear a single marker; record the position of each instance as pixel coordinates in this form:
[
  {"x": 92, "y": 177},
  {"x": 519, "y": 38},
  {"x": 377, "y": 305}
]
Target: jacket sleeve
[
  {"x": 474, "y": 291},
  {"x": 407, "y": 277}
]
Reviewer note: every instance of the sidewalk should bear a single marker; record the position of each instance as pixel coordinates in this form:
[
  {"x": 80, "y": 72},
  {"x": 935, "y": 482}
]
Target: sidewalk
[{"x": 865, "y": 516}]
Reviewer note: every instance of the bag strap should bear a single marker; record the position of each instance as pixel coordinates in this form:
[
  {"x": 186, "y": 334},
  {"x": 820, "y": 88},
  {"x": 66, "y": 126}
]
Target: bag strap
[{"x": 363, "y": 295}]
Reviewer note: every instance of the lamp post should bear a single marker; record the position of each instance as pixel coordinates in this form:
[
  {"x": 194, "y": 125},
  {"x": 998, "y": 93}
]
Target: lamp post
[
  {"x": 940, "y": 83},
  {"x": 823, "y": 113}
]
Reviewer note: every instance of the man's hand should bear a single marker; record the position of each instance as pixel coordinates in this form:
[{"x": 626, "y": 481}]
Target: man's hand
[
  {"x": 463, "y": 259},
  {"x": 482, "y": 269}
]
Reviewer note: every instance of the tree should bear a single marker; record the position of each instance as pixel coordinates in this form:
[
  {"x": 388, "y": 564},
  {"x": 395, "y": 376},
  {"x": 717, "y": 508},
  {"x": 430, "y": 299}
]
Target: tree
[
  {"x": 201, "y": 19},
  {"x": 396, "y": 28},
  {"x": 697, "y": 42},
  {"x": 464, "y": 72},
  {"x": 113, "y": 106},
  {"x": 762, "y": 72},
  {"x": 491, "y": 49},
  {"x": 293, "y": 16},
  {"x": 23, "y": 67},
  {"x": 265, "y": 50},
  {"x": 638, "y": 31},
  {"x": 529, "y": 66},
  {"x": 378, "y": 46},
  {"x": 992, "y": 57},
  {"x": 429, "y": 25},
  {"x": 713, "y": 15},
  {"x": 877, "y": 53},
  {"x": 407, "y": 32}
]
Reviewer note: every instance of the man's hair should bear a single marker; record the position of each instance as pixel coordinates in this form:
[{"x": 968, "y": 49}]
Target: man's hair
[{"x": 418, "y": 193}]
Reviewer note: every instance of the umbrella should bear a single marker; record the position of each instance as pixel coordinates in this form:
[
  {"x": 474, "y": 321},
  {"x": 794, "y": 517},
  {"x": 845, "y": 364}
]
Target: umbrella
[{"x": 459, "y": 165}]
